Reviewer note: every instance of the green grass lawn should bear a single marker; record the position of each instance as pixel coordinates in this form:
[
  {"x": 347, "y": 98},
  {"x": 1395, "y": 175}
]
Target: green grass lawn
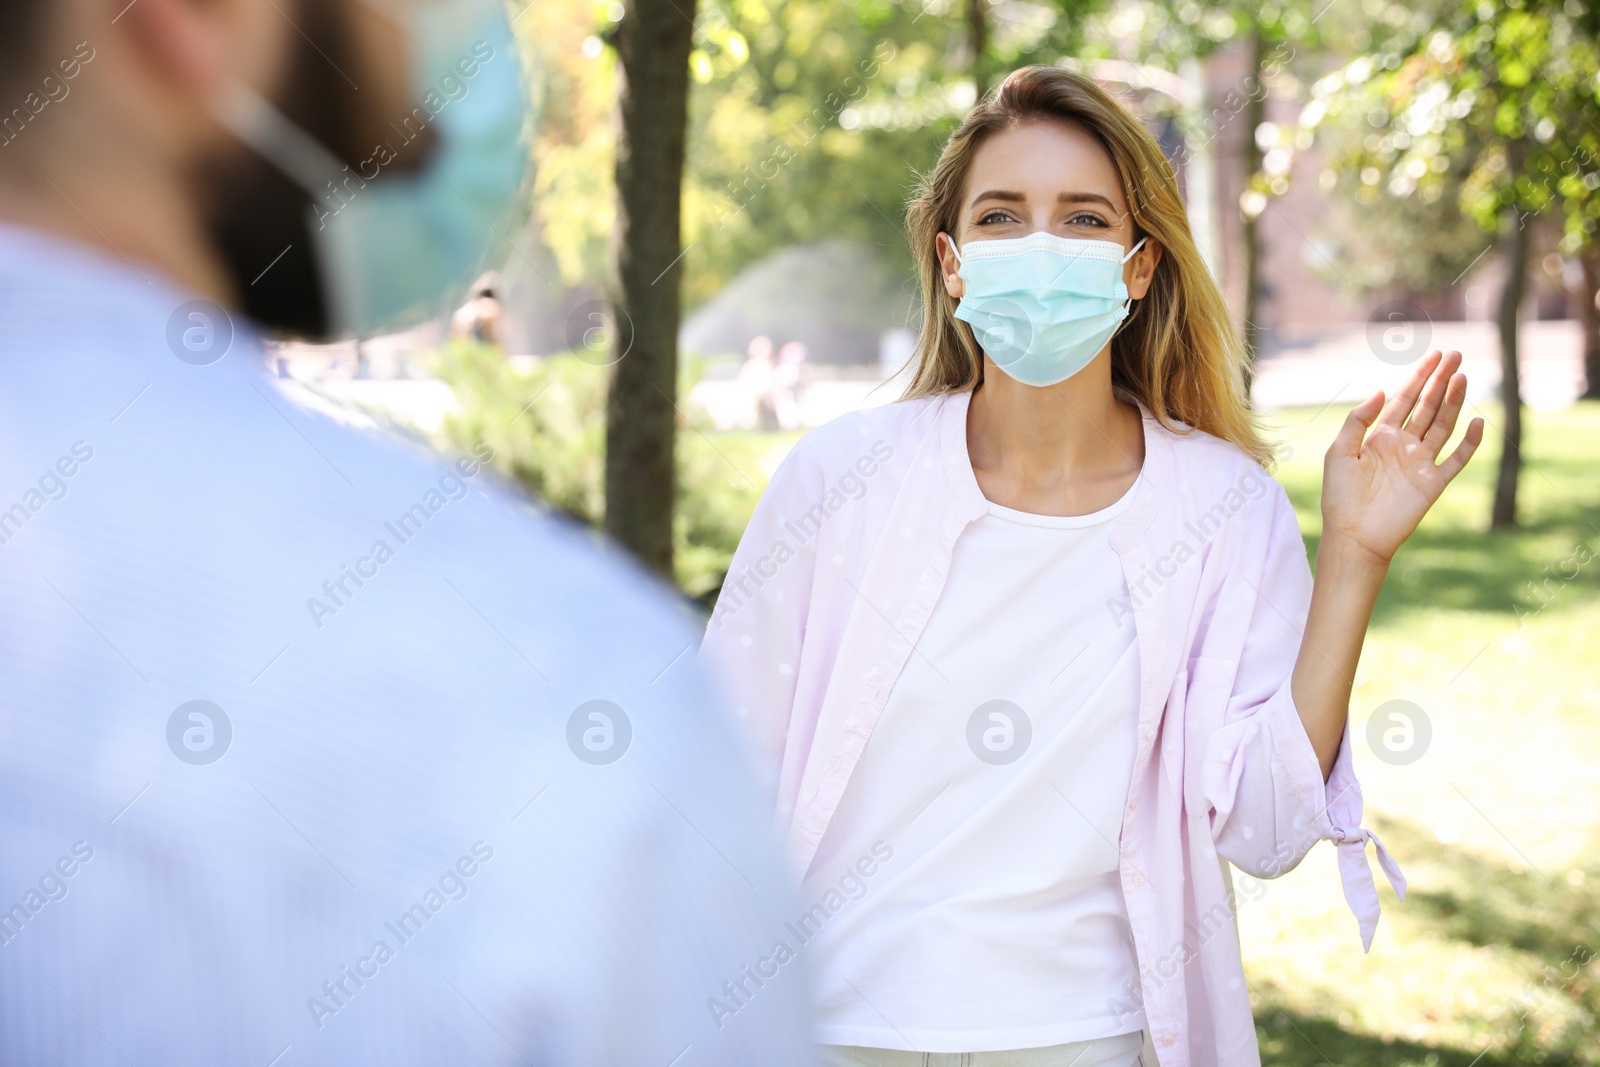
[
  {"x": 1490, "y": 958},
  {"x": 1488, "y": 961}
]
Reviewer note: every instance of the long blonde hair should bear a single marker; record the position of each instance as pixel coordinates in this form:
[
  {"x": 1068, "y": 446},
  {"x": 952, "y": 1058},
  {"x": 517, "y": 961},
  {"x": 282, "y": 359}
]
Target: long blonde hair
[{"x": 1178, "y": 352}]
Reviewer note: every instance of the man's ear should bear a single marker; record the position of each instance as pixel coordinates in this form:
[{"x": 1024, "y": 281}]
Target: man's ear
[
  {"x": 949, "y": 265},
  {"x": 1142, "y": 268},
  {"x": 192, "y": 45}
]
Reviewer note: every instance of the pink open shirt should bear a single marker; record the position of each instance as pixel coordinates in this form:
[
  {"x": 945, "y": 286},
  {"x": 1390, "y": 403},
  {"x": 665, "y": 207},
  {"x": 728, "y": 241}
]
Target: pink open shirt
[{"x": 840, "y": 569}]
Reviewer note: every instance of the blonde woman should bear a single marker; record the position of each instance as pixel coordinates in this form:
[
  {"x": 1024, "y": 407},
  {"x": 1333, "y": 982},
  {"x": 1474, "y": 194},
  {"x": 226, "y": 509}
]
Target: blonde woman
[{"x": 1034, "y": 655}]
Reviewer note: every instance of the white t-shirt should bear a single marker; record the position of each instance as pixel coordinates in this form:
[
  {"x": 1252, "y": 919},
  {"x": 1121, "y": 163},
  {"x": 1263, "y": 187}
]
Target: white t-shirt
[{"x": 988, "y": 805}]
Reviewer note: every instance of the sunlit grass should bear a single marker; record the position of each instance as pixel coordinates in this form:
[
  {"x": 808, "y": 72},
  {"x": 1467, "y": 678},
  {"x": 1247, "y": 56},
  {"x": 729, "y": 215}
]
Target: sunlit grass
[{"x": 1496, "y": 825}]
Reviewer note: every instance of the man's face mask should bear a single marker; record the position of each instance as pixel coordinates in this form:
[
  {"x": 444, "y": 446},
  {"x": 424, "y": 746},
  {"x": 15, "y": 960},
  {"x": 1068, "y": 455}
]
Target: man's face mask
[{"x": 327, "y": 236}]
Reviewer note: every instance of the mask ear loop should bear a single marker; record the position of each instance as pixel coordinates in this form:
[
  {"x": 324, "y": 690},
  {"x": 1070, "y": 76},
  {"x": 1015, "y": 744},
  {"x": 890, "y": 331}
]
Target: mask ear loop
[
  {"x": 1126, "y": 303},
  {"x": 957, "y": 251},
  {"x": 274, "y": 137},
  {"x": 1129, "y": 301}
]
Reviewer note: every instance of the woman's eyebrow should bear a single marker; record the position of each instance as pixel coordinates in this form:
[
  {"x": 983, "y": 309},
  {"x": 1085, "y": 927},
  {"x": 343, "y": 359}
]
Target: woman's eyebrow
[
  {"x": 998, "y": 194},
  {"x": 1007, "y": 196},
  {"x": 1085, "y": 198}
]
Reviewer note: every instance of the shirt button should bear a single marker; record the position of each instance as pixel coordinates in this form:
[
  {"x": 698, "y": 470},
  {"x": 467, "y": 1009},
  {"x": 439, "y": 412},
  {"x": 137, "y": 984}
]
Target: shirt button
[
  {"x": 1133, "y": 805},
  {"x": 1138, "y": 880},
  {"x": 1167, "y": 1039}
]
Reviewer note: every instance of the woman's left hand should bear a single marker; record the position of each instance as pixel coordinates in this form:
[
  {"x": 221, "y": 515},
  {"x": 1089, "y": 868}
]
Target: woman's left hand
[{"x": 1377, "y": 485}]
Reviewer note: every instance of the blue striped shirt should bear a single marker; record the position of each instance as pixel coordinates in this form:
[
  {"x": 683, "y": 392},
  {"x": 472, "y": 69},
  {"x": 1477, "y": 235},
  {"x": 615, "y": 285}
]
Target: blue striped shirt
[{"x": 316, "y": 747}]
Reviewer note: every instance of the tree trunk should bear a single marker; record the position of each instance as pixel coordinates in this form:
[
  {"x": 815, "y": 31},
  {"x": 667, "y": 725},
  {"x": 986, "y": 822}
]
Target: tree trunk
[
  {"x": 978, "y": 37},
  {"x": 1589, "y": 319},
  {"x": 1255, "y": 110},
  {"x": 1514, "y": 247},
  {"x": 653, "y": 41}
]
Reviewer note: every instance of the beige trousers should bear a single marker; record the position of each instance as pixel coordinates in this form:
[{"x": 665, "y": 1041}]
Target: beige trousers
[{"x": 1120, "y": 1051}]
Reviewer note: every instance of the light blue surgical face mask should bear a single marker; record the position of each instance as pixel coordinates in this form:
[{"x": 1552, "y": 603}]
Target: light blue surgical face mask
[
  {"x": 398, "y": 248},
  {"x": 1043, "y": 306}
]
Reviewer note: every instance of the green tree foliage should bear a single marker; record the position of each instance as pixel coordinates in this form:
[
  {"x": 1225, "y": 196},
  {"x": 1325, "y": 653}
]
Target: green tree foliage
[
  {"x": 808, "y": 120},
  {"x": 546, "y": 425},
  {"x": 1383, "y": 241},
  {"x": 1500, "y": 102},
  {"x": 1444, "y": 108}
]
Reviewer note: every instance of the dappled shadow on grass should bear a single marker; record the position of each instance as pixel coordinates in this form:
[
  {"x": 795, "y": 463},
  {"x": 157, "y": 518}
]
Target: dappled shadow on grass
[
  {"x": 1513, "y": 573},
  {"x": 1454, "y": 563},
  {"x": 1479, "y": 901},
  {"x": 1289, "y": 1038},
  {"x": 1486, "y": 903}
]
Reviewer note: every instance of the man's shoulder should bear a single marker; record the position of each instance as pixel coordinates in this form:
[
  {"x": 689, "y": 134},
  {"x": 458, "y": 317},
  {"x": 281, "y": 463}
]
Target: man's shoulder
[
  {"x": 299, "y": 526},
  {"x": 538, "y": 565}
]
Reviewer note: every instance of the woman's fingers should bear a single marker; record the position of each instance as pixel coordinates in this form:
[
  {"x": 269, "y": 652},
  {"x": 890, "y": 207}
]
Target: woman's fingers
[
  {"x": 1427, "y": 408},
  {"x": 1354, "y": 430},
  {"x": 1463, "y": 452},
  {"x": 1445, "y": 423},
  {"x": 1395, "y": 414}
]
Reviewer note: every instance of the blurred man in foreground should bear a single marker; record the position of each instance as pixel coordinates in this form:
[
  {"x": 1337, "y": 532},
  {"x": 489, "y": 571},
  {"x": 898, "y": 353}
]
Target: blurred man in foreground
[{"x": 313, "y": 748}]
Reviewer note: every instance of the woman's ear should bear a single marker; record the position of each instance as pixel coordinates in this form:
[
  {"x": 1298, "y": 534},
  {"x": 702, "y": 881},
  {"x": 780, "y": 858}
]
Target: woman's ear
[
  {"x": 1141, "y": 269},
  {"x": 949, "y": 265}
]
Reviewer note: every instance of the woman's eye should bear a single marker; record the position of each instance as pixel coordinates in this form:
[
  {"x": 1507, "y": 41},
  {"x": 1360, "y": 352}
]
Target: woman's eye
[
  {"x": 1086, "y": 219},
  {"x": 989, "y": 218}
]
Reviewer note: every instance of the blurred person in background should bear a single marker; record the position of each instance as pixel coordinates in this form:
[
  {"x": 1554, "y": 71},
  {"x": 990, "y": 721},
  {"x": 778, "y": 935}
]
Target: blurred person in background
[
  {"x": 786, "y": 384},
  {"x": 756, "y": 380},
  {"x": 316, "y": 749},
  {"x": 1035, "y": 652},
  {"x": 479, "y": 318}
]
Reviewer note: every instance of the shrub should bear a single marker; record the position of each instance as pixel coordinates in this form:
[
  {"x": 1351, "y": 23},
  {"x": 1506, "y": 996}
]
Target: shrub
[{"x": 547, "y": 429}]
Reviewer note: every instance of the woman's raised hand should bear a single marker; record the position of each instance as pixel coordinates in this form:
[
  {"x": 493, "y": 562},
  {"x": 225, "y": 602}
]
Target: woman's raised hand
[{"x": 1382, "y": 473}]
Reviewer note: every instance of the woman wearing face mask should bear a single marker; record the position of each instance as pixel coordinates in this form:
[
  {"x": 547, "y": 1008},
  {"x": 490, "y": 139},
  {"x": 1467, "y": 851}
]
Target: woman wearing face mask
[{"x": 1029, "y": 653}]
